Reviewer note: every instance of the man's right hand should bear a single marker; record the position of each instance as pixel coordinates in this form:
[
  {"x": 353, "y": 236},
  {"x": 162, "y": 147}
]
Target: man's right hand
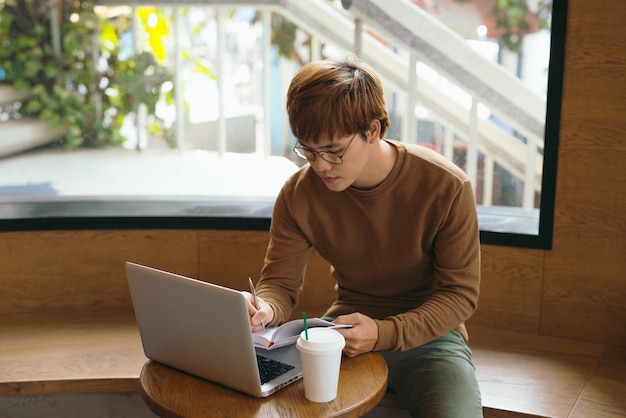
[{"x": 258, "y": 317}]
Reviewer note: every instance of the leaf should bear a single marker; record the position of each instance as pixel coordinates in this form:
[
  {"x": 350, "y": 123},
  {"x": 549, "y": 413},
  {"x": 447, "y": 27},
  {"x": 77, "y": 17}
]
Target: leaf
[{"x": 108, "y": 37}]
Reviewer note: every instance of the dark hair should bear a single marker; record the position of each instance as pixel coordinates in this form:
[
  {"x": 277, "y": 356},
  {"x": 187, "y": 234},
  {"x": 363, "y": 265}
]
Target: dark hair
[{"x": 327, "y": 99}]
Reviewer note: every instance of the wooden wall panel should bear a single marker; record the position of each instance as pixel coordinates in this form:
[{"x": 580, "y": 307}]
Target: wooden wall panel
[
  {"x": 585, "y": 277},
  {"x": 229, "y": 257},
  {"x": 89, "y": 263},
  {"x": 585, "y": 273},
  {"x": 510, "y": 291}
]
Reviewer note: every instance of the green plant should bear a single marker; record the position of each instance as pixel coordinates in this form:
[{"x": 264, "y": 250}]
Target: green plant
[
  {"x": 513, "y": 19},
  {"x": 138, "y": 78},
  {"x": 74, "y": 87}
]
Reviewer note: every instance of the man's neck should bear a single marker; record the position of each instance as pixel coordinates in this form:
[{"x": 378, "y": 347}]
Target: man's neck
[{"x": 382, "y": 159}]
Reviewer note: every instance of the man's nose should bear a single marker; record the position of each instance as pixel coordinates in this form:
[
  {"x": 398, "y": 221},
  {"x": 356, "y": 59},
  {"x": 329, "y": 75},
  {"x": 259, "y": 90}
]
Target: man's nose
[{"x": 320, "y": 164}]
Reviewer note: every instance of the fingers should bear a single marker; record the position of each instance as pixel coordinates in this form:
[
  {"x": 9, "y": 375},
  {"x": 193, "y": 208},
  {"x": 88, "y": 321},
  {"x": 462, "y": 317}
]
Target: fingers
[
  {"x": 363, "y": 335},
  {"x": 351, "y": 319},
  {"x": 258, "y": 317},
  {"x": 256, "y": 323},
  {"x": 250, "y": 303}
]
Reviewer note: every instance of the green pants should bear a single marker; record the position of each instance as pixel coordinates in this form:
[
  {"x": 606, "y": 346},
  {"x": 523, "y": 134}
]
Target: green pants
[{"x": 437, "y": 379}]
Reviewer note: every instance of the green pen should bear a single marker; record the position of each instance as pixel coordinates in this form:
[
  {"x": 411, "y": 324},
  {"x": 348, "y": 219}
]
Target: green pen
[{"x": 306, "y": 328}]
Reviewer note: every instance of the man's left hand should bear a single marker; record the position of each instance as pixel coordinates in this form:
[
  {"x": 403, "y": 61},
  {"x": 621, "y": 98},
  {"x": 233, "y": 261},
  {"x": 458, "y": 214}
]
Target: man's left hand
[{"x": 362, "y": 337}]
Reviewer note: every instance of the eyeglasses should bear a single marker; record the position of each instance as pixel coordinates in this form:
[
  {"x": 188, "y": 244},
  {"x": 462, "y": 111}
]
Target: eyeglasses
[{"x": 328, "y": 156}]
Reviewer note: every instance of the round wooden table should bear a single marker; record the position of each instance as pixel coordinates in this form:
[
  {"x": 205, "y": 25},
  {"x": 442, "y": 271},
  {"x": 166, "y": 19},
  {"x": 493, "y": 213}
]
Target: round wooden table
[{"x": 172, "y": 393}]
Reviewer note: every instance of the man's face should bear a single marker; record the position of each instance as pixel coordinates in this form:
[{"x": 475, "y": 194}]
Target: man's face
[{"x": 339, "y": 162}]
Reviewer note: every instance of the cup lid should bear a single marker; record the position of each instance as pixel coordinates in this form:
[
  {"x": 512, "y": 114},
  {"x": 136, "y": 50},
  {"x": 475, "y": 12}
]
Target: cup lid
[{"x": 321, "y": 339}]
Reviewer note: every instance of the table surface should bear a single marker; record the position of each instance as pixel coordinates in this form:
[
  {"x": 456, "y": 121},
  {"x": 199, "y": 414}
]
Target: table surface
[{"x": 172, "y": 393}]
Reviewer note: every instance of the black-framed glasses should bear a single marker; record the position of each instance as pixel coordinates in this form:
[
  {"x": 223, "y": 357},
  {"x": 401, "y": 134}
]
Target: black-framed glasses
[{"x": 328, "y": 156}]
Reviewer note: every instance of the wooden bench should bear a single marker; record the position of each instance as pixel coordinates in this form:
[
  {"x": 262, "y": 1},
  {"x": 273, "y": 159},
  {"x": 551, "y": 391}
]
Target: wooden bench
[
  {"x": 94, "y": 347},
  {"x": 529, "y": 375}
]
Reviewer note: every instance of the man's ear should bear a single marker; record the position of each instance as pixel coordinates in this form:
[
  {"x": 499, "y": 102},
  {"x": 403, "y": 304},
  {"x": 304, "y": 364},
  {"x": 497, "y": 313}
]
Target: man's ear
[{"x": 373, "y": 132}]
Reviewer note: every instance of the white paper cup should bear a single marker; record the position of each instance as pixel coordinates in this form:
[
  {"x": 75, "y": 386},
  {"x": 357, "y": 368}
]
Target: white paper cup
[{"x": 321, "y": 359}]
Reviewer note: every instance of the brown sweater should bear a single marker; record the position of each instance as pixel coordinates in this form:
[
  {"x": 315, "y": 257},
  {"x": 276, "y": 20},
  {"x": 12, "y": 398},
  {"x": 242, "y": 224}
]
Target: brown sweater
[{"x": 405, "y": 253}]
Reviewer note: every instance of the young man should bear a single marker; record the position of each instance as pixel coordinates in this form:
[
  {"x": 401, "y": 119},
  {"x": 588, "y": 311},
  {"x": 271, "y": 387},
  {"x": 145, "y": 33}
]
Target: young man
[{"x": 397, "y": 223}]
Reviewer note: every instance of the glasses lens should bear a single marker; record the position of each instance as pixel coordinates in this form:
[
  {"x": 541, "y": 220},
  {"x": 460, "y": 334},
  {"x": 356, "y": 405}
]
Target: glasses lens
[
  {"x": 309, "y": 155},
  {"x": 331, "y": 157},
  {"x": 304, "y": 153}
]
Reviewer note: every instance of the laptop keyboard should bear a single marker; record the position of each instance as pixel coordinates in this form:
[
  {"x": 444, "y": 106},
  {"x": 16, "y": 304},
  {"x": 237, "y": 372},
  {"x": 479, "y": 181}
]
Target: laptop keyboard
[{"x": 270, "y": 369}]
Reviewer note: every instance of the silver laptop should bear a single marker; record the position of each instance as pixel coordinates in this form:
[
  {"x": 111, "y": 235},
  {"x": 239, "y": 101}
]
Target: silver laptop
[{"x": 204, "y": 329}]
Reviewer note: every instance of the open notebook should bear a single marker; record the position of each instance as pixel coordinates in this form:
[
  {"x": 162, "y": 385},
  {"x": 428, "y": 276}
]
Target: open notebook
[{"x": 272, "y": 338}]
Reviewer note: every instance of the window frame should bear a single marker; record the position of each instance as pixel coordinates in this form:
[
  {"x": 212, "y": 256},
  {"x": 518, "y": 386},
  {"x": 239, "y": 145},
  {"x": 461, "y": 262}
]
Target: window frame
[
  {"x": 255, "y": 214},
  {"x": 543, "y": 240}
]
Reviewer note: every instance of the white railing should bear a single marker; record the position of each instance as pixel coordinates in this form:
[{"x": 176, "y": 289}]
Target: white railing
[
  {"x": 425, "y": 45},
  {"x": 485, "y": 82}
]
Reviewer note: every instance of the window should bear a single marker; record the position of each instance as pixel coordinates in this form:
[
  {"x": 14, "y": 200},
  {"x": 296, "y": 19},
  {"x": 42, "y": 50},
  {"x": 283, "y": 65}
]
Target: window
[{"x": 214, "y": 151}]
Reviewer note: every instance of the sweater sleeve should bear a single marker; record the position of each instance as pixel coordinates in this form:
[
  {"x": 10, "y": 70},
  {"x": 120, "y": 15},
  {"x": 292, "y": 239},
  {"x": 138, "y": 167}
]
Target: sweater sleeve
[
  {"x": 287, "y": 255},
  {"x": 456, "y": 251}
]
